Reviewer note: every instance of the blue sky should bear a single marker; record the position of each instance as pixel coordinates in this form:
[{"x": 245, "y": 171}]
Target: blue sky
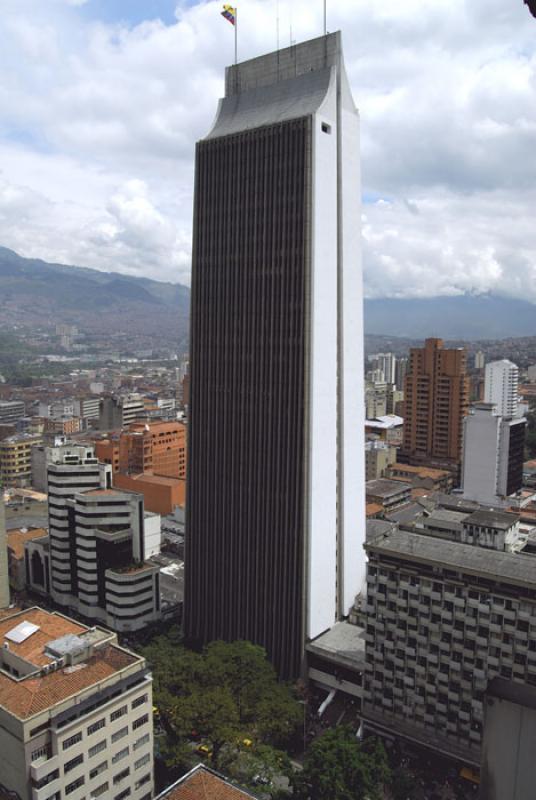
[{"x": 102, "y": 101}]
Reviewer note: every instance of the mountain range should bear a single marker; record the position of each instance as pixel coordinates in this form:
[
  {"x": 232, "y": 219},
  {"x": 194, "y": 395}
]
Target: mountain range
[{"x": 35, "y": 292}]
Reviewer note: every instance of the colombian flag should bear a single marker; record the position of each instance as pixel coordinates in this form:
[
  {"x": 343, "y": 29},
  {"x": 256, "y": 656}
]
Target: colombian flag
[{"x": 229, "y": 13}]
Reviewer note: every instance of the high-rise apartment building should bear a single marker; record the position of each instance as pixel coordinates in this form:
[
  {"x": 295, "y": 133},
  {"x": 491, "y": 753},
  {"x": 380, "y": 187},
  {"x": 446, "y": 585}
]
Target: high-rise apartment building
[
  {"x": 275, "y": 506},
  {"x": 75, "y": 712},
  {"x": 118, "y": 412},
  {"x": 493, "y": 454},
  {"x": 436, "y": 398},
  {"x": 501, "y": 387},
  {"x": 443, "y": 619}
]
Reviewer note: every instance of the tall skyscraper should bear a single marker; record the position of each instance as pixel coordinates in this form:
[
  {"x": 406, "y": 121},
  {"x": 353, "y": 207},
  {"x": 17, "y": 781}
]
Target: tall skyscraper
[
  {"x": 275, "y": 507},
  {"x": 501, "y": 387},
  {"x": 436, "y": 395}
]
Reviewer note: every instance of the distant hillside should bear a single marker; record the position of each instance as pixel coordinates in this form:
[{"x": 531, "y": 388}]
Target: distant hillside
[
  {"x": 34, "y": 292},
  {"x": 463, "y": 317}
]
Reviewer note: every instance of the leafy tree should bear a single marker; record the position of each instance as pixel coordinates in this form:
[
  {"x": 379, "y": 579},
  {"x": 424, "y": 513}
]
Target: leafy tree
[
  {"x": 212, "y": 714},
  {"x": 339, "y": 767},
  {"x": 403, "y": 784}
]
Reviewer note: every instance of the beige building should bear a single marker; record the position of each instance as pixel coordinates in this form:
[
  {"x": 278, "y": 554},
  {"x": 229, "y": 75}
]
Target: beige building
[
  {"x": 378, "y": 457},
  {"x": 16, "y": 459},
  {"x": 75, "y": 712}
]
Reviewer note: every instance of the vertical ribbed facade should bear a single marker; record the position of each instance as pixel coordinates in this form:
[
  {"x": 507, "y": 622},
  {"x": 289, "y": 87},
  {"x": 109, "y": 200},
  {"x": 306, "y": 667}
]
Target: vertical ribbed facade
[
  {"x": 275, "y": 517},
  {"x": 246, "y": 469}
]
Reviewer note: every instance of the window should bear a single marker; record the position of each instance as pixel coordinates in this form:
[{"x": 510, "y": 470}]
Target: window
[
  {"x": 141, "y": 741},
  {"x": 97, "y": 770},
  {"x": 97, "y": 748},
  {"x": 140, "y": 721},
  {"x": 72, "y": 740},
  {"x": 100, "y": 790},
  {"x": 120, "y": 755},
  {"x": 326, "y": 128},
  {"x": 142, "y": 781},
  {"x": 139, "y": 701},
  {"x": 74, "y": 762},
  {"x": 121, "y": 775},
  {"x": 119, "y": 712},
  {"x": 96, "y": 726},
  {"x": 142, "y": 761},
  {"x": 121, "y": 795},
  {"x": 119, "y": 734},
  {"x": 71, "y": 787}
]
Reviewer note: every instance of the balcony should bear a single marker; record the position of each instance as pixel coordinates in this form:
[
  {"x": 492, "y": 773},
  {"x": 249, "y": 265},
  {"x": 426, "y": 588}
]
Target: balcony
[{"x": 42, "y": 767}]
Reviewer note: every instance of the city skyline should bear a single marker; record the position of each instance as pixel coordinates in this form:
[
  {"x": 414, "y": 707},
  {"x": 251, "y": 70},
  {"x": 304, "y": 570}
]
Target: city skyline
[{"x": 94, "y": 96}]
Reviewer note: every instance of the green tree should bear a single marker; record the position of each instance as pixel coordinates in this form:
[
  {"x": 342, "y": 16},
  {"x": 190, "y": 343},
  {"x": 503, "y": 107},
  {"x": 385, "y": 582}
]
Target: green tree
[
  {"x": 339, "y": 767},
  {"x": 212, "y": 714}
]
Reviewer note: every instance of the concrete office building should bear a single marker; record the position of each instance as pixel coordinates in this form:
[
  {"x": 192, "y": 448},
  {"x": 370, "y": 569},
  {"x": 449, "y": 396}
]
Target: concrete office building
[
  {"x": 501, "y": 387},
  {"x": 75, "y": 712},
  {"x": 100, "y": 540},
  {"x": 275, "y": 506},
  {"x": 11, "y": 411},
  {"x": 87, "y": 407},
  {"x": 16, "y": 459},
  {"x": 74, "y": 470},
  {"x": 118, "y": 412},
  {"x": 436, "y": 400},
  {"x": 443, "y": 619},
  {"x": 493, "y": 451}
]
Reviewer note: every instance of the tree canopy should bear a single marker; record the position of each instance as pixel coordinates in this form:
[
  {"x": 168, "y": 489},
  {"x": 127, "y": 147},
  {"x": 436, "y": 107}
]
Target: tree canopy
[{"x": 338, "y": 766}]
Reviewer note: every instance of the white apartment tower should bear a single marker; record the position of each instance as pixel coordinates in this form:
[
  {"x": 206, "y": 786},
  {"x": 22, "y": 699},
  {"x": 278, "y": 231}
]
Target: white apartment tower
[
  {"x": 501, "y": 387},
  {"x": 492, "y": 454},
  {"x": 275, "y": 510}
]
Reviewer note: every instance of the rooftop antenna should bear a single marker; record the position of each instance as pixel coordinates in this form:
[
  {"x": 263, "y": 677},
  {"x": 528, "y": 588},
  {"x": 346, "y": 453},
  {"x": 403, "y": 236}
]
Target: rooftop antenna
[
  {"x": 290, "y": 15},
  {"x": 325, "y": 18},
  {"x": 277, "y": 25}
]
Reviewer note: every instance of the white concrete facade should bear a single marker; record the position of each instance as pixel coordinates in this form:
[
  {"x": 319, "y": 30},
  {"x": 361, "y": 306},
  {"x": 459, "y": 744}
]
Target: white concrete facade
[
  {"x": 501, "y": 387},
  {"x": 336, "y": 568}
]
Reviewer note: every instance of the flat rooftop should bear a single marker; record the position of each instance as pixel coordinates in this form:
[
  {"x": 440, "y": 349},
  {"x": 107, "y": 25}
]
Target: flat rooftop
[
  {"x": 28, "y": 635},
  {"x": 470, "y": 559},
  {"x": 502, "y": 520},
  {"x": 382, "y": 487},
  {"x": 343, "y": 644}
]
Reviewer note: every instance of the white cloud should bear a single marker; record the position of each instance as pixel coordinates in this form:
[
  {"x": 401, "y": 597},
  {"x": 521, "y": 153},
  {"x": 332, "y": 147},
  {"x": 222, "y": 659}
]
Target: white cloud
[{"x": 98, "y": 124}]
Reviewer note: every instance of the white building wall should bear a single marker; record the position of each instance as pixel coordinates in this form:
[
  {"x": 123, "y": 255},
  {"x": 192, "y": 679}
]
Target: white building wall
[
  {"x": 501, "y": 387},
  {"x": 322, "y": 553},
  {"x": 481, "y": 454},
  {"x": 351, "y": 553}
]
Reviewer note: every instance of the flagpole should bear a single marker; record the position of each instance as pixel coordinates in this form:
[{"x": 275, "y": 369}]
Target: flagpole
[{"x": 236, "y": 37}]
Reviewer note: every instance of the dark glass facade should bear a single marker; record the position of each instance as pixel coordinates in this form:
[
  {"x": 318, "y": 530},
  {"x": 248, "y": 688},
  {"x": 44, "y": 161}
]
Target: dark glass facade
[{"x": 246, "y": 511}]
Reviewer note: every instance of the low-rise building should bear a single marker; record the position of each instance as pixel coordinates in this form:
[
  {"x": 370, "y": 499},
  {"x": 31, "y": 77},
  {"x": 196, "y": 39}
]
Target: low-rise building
[
  {"x": 75, "y": 711},
  {"x": 16, "y": 541},
  {"x": 379, "y": 456},
  {"x": 421, "y": 477},
  {"x": 387, "y": 494},
  {"x": 161, "y": 495},
  {"x": 16, "y": 459},
  {"x": 203, "y": 783}
]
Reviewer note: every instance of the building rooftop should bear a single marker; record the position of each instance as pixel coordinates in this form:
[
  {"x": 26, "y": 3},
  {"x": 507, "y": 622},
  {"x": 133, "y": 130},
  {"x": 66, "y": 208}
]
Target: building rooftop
[
  {"x": 502, "y": 520},
  {"x": 447, "y": 515},
  {"x": 344, "y": 643},
  {"x": 415, "y": 547},
  {"x": 202, "y": 783},
  {"x": 382, "y": 487},
  {"x": 18, "y": 536},
  {"x": 29, "y": 634},
  {"x": 423, "y": 472}
]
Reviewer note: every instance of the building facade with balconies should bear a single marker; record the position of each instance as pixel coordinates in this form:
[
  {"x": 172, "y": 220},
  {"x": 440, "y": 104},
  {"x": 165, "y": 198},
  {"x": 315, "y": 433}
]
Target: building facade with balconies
[
  {"x": 75, "y": 712},
  {"x": 443, "y": 619}
]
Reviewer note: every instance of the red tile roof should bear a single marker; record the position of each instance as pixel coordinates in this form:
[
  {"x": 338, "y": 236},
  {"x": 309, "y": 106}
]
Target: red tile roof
[{"x": 202, "y": 783}]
